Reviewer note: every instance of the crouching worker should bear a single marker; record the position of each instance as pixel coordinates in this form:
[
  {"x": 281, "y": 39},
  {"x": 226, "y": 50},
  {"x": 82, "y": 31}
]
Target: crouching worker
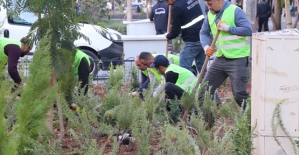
[
  {"x": 177, "y": 79},
  {"x": 10, "y": 52},
  {"x": 83, "y": 66},
  {"x": 144, "y": 78}
]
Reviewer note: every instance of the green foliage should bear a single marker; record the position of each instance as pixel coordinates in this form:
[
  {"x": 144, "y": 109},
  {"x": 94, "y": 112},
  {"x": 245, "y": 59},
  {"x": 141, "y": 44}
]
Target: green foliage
[
  {"x": 175, "y": 111},
  {"x": 67, "y": 80},
  {"x": 97, "y": 9},
  {"x": 141, "y": 129},
  {"x": 110, "y": 101},
  {"x": 115, "y": 79},
  {"x": 241, "y": 134},
  {"x": 125, "y": 113},
  {"x": 134, "y": 78},
  {"x": 3, "y": 122},
  {"x": 276, "y": 117},
  {"x": 37, "y": 97},
  {"x": 178, "y": 141}
]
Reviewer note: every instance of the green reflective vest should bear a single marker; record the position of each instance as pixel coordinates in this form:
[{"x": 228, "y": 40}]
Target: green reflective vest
[
  {"x": 145, "y": 73},
  {"x": 186, "y": 79},
  {"x": 231, "y": 46},
  {"x": 176, "y": 60},
  {"x": 3, "y": 43},
  {"x": 78, "y": 57}
]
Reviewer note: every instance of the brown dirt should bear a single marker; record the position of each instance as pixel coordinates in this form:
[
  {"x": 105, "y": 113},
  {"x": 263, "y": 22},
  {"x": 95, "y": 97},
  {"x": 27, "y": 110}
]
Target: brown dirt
[{"x": 131, "y": 149}]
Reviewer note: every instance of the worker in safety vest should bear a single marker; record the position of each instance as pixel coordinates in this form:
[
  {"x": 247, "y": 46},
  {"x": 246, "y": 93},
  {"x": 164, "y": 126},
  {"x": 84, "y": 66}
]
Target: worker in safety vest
[
  {"x": 10, "y": 52},
  {"x": 83, "y": 66},
  {"x": 144, "y": 78},
  {"x": 146, "y": 59},
  {"x": 232, "y": 47},
  {"x": 187, "y": 19},
  {"x": 177, "y": 79}
]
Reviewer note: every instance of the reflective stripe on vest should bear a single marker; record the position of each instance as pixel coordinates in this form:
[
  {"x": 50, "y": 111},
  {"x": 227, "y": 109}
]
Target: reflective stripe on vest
[
  {"x": 186, "y": 80},
  {"x": 3, "y": 43},
  {"x": 79, "y": 56},
  {"x": 194, "y": 21},
  {"x": 228, "y": 45}
]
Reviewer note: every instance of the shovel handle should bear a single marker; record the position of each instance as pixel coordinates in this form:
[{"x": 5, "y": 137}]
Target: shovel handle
[
  {"x": 204, "y": 66},
  {"x": 168, "y": 29}
]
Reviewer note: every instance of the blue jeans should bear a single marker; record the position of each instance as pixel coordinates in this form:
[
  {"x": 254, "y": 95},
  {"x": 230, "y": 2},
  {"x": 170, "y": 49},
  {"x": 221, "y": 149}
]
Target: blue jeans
[{"x": 192, "y": 51}]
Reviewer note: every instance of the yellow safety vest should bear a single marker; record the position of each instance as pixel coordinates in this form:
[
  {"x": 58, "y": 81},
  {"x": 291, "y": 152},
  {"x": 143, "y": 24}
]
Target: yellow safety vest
[
  {"x": 231, "y": 46},
  {"x": 3, "y": 43},
  {"x": 186, "y": 79}
]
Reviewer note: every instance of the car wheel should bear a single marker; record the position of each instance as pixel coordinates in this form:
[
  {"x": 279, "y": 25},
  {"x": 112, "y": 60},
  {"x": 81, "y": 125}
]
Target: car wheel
[{"x": 95, "y": 60}]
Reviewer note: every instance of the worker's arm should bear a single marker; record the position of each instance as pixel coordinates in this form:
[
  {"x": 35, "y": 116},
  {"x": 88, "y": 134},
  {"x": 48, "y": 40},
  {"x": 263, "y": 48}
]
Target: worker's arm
[
  {"x": 205, "y": 33},
  {"x": 176, "y": 23},
  {"x": 171, "y": 77},
  {"x": 144, "y": 82},
  {"x": 13, "y": 52},
  {"x": 243, "y": 26}
]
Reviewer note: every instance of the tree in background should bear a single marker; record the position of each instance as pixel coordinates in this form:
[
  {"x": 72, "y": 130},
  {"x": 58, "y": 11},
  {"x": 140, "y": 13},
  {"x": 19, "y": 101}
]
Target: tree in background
[
  {"x": 54, "y": 35},
  {"x": 97, "y": 9}
]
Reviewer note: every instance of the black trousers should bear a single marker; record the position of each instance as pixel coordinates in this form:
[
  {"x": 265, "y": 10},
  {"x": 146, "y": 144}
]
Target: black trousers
[
  {"x": 261, "y": 22},
  {"x": 172, "y": 91},
  {"x": 83, "y": 74}
]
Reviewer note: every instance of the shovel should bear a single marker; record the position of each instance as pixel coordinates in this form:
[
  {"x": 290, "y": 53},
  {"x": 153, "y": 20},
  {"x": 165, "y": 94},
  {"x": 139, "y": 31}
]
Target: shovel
[
  {"x": 204, "y": 66},
  {"x": 168, "y": 28}
]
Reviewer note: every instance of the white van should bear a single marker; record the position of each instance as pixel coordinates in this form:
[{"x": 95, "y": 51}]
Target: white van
[{"x": 107, "y": 46}]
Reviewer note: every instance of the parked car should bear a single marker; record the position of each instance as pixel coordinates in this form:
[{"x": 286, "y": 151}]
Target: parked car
[
  {"x": 106, "y": 45},
  {"x": 136, "y": 8}
]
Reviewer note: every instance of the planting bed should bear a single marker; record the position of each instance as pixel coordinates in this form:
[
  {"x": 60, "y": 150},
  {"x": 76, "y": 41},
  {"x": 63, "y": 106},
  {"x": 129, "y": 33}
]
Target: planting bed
[{"x": 132, "y": 149}]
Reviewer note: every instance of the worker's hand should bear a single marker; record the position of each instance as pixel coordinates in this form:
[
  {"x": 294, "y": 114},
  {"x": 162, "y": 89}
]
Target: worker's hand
[
  {"x": 21, "y": 84},
  {"x": 135, "y": 93},
  {"x": 165, "y": 34},
  {"x": 222, "y": 26},
  {"x": 209, "y": 50}
]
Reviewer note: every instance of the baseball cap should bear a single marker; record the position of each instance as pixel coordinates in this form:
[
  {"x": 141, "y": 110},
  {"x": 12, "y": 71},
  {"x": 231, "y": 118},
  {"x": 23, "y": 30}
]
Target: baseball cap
[{"x": 160, "y": 60}]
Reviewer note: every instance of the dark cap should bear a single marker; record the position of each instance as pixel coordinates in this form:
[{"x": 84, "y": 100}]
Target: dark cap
[{"x": 160, "y": 60}]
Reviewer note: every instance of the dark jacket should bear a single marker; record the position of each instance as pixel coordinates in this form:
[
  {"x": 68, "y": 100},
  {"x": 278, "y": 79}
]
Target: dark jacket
[
  {"x": 263, "y": 10},
  {"x": 182, "y": 13},
  {"x": 159, "y": 15}
]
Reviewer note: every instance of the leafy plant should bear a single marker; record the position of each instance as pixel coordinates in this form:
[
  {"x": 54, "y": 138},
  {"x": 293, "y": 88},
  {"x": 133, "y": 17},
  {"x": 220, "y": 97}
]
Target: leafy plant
[{"x": 277, "y": 117}]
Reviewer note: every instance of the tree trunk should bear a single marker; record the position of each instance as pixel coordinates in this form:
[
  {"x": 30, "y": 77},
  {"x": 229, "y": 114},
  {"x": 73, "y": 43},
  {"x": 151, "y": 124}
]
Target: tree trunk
[
  {"x": 129, "y": 10},
  {"x": 273, "y": 22},
  {"x": 49, "y": 121},
  {"x": 249, "y": 7},
  {"x": 277, "y": 14},
  {"x": 148, "y": 7},
  {"x": 288, "y": 14},
  {"x": 112, "y": 6},
  {"x": 296, "y": 21}
]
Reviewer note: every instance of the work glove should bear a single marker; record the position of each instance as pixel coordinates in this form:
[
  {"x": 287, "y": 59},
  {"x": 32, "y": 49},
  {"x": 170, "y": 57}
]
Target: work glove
[
  {"x": 135, "y": 93},
  {"x": 222, "y": 26},
  {"x": 209, "y": 50}
]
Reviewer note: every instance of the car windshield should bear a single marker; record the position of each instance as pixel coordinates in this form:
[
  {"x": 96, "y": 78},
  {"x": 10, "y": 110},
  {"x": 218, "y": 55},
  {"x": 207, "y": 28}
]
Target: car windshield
[{"x": 25, "y": 18}]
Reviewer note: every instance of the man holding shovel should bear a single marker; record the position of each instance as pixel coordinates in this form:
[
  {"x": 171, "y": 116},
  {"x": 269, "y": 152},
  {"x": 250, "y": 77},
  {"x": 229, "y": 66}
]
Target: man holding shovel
[
  {"x": 232, "y": 47},
  {"x": 186, "y": 18}
]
